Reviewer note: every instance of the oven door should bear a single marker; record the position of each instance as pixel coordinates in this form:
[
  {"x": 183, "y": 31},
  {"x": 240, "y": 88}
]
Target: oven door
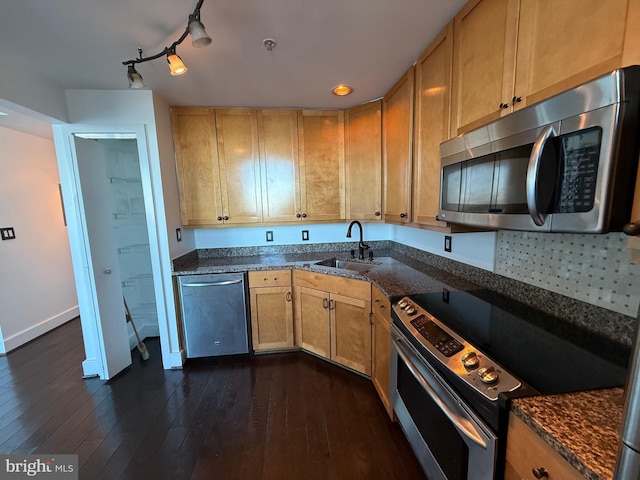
[{"x": 449, "y": 440}]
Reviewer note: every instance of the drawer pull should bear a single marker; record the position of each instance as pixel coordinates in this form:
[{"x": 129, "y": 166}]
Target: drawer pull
[{"x": 540, "y": 472}]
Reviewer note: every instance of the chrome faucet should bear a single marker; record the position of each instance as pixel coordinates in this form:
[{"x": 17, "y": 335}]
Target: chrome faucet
[{"x": 361, "y": 245}]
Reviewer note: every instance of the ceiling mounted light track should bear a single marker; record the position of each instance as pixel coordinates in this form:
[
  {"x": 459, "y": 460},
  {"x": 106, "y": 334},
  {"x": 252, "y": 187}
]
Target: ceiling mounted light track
[{"x": 199, "y": 38}]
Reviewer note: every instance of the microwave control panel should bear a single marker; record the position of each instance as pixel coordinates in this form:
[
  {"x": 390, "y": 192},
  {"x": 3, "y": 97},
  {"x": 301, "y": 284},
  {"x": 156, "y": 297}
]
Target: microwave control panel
[{"x": 580, "y": 154}]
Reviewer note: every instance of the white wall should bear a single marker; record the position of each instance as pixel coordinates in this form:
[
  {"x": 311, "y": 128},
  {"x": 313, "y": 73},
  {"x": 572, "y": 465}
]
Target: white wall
[
  {"x": 477, "y": 249},
  {"x": 37, "y": 289}
]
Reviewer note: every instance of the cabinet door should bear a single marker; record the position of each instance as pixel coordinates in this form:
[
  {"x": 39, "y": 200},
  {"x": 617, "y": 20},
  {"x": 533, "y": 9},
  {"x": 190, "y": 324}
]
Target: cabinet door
[
  {"x": 431, "y": 126},
  {"x": 564, "y": 44},
  {"x": 483, "y": 62},
  {"x": 381, "y": 349},
  {"x": 351, "y": 332},
  {"x": 240, "y": 184},
  {"x": 194, "y": 141},
  {"x": 312, "y": 321},
  {"x": 321, "y": 143},
  {"x": 363, "y": 157},
  {"x": 271, "y": 318},
  {"x": 278, "y": 132},
  {"x": 397, "y": 141}
]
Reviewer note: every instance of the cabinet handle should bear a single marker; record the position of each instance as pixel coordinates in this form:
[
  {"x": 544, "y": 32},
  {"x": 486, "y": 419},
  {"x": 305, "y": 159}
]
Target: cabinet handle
[
  {"x": 225, "y": 217},
  {"x": 304, "y": 215},
  {"x": 298, "y": 215},
  {"x": 540, "y": 472},
  {"x": 515, "y": 100},
  {"x": 219, "y": 218},
  {"x": 325, "y": 303},
  {"x": 403, "y": 215},
  {"x": 288, "y": 296},
  {"x": 371, "y": 319},
  {"x": 504, "y": 105},
  {"x": 377, "y": 214},
  {"x": 332, "y": 304}
]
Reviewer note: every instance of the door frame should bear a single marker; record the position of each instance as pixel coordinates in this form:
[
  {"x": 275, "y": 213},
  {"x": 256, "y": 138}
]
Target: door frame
[{"x": 95, "y": 363}]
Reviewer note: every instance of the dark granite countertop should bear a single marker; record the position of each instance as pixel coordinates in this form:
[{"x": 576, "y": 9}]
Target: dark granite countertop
[
  {"x": 392, "y": 272},
  {"x": 582, "y": 427}
]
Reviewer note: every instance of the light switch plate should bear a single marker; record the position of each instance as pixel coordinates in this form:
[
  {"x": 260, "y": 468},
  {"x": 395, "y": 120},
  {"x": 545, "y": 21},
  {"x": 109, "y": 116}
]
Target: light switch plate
[
  {"x": 447, "y": 243},
  {"x": 305, "y": 235},
  {"x": 178, "y": 234},
  {"x": 269, "y": 235},
  {"x": 7, "y": 233}
]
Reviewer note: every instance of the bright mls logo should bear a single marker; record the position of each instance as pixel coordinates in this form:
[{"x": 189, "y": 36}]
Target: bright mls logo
[{"x": 51, "y": 467}]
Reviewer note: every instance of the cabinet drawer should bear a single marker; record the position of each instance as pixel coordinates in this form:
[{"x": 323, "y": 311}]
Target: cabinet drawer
[
  {"x": 380, "y": 304},
  {"x": 269, "y": 278},
  {"x": 526, "y": 451},
  {"x": 329, "y": 283}
]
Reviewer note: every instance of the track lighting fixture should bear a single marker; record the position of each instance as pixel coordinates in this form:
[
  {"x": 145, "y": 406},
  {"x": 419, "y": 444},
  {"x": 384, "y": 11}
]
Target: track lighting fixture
[{"x": 199, "y": 38}]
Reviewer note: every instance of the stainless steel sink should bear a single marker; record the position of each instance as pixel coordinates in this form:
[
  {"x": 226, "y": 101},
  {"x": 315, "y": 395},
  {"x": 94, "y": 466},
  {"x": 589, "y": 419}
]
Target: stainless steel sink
[{"x": 346, "y": 264}]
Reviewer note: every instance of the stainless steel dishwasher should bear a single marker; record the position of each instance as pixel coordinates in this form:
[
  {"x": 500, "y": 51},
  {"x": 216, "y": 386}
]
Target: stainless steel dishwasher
[{"x": 214, "y": 314}]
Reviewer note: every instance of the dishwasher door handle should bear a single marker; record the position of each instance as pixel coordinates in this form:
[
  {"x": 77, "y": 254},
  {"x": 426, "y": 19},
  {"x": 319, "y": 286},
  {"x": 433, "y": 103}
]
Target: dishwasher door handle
[{"x": 212, "y": 284}]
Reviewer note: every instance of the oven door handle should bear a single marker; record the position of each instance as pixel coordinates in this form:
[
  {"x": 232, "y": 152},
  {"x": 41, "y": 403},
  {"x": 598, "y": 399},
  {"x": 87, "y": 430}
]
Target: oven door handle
[{"x": 463, "y": 425}]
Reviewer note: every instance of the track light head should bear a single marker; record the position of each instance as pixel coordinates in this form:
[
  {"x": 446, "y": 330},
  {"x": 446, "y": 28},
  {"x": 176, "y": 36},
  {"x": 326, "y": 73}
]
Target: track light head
[
  {"x": 199, "y": 37},
  {"x": 176, "y": 67},
  {"x": 135, "y": 79}
]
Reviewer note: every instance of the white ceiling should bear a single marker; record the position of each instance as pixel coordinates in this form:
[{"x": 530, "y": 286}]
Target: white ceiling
[{"x": 368, "y": 44}]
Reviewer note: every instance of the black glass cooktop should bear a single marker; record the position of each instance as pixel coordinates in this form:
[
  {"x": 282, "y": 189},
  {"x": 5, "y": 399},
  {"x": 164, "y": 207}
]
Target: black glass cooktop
[{"x": 543, "y": 351}]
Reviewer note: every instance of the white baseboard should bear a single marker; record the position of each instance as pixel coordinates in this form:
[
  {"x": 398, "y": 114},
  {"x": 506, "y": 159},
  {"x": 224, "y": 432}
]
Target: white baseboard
[{"x": 18, "y": 339}]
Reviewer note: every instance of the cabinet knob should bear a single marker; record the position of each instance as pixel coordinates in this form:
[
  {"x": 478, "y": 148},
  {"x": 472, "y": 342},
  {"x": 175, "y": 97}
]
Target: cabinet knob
[
  {"x": 403, "y": 215},
  {"x": 108, "y": 271},
  {"x": 225, "y": 217},
  {"x": 504, "y": 105},
  {"x": 632, "y": 228},
  {"x": 515, "y": 100},
  {"x": 298, "y": 215},
  {"x": 288, "y": 296},
  {"x": 325, "y": 303},
  {"x": 377, "y": 214},
  {"x": 540, "y": 472},
  {"x": 219, "y": 218},
  {"x": 304, "y": 215}
]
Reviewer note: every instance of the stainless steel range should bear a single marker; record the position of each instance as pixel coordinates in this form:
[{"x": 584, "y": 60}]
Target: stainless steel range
[{"x": 459, "y": 357}]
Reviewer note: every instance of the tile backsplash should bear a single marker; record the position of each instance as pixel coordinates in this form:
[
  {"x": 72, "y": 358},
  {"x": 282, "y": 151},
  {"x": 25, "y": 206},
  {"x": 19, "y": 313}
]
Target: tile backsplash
[{"x": 592, "y": 268}]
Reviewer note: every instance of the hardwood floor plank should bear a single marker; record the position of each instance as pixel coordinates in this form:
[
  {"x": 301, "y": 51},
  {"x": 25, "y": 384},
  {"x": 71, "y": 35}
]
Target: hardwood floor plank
[{"x": 270, "y": 417}]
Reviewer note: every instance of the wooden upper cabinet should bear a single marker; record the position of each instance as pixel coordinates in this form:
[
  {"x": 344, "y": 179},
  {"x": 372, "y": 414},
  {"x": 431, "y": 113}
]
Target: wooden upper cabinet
[
  {"x": 483, "y": 62},
  {"x": 397, "y": 144},
  {"x": 194, "y": 140},
  {"x": 563, "y": 44},
  {"x": 237, "y": 132},
  {"x": 278, "y": 132},
  {"x": 363, "y": 158},
  {"x": 431, "y": 126},
  {"x": 321, "y": 147}
]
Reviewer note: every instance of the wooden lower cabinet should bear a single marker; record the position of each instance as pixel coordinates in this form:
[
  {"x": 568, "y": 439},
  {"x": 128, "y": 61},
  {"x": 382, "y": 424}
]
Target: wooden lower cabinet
[
  {"x": 526, "y": 451},
  {"x": 332, "y": 318},
  {"x": 271, "y": 310},
  {"x": 381, "y": 348}
]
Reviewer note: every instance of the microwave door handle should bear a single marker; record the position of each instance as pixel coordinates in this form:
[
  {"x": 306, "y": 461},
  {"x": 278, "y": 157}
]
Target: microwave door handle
[
  {"x": 462, "y": 424},
  {"x": 533, "y": 170}
]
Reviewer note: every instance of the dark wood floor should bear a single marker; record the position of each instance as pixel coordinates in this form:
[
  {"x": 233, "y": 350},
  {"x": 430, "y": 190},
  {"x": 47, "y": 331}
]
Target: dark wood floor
[{"x": 281, "y": 417}]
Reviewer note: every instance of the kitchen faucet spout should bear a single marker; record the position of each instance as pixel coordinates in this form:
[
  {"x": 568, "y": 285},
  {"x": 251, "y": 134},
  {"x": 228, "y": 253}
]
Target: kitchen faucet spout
[{"x": 361, "y": 245}]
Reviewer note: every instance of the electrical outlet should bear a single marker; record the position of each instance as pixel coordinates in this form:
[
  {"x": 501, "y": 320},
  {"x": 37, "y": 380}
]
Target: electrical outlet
[
  {"x": 7, "y": 233},
  {"x": 447, "y": 243},
  {"x": 269, "y": 235},
  {"x": 178, "y": 234},
  {"x": 305, "y": 235}
]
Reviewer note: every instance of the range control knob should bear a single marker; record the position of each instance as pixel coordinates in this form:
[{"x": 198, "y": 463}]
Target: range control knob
[
  {"x": 411, "y": 310},
  {"x": 470, "y": 360},
  {"x": 488, "y": 375},
  {"x": 403, "y": 303}
]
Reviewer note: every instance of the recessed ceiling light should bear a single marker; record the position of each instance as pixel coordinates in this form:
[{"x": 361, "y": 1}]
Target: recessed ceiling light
[
  {"x": 341, "y": 90},
  {"x": 3, "y": 113}
]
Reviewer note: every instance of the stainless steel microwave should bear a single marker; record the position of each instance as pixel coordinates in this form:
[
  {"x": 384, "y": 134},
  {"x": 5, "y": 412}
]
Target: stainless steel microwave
[{"x": 566, "y": 164}]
